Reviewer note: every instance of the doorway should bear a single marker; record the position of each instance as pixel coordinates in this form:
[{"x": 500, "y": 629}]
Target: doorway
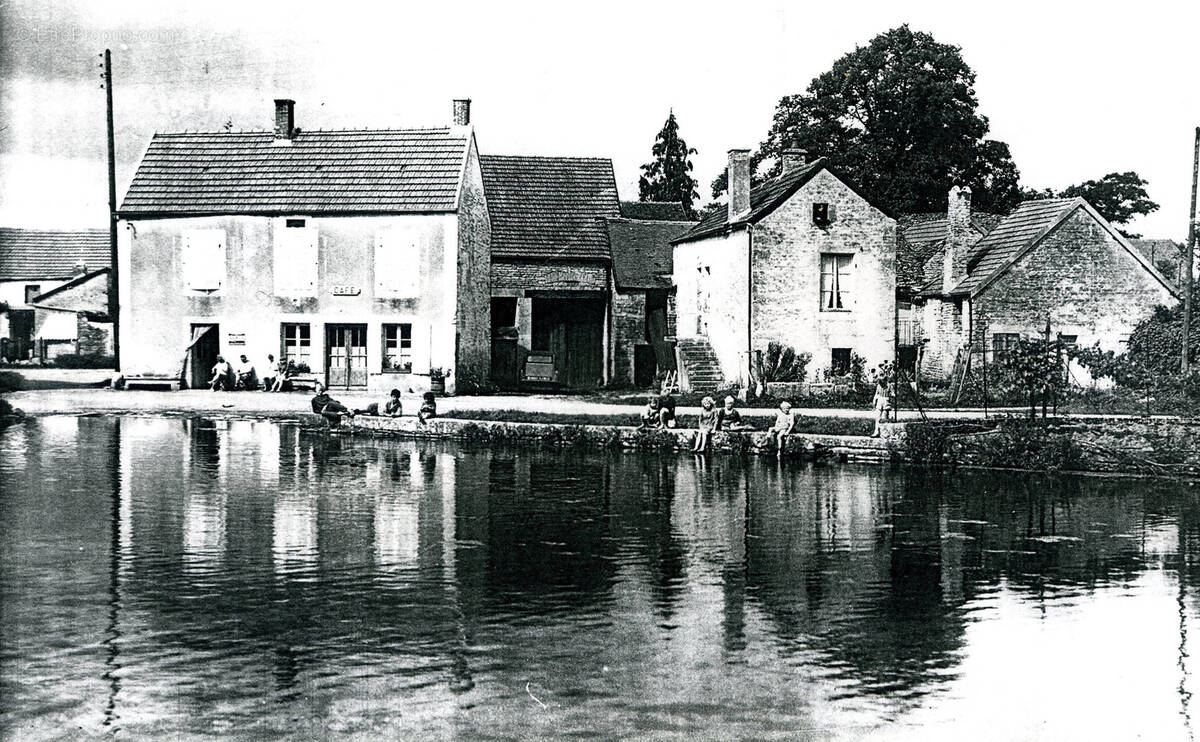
[
  {"x": 571, "y": 332},
  {"x": 346, "y": 356},
  {"x": 202, "y": 354}
]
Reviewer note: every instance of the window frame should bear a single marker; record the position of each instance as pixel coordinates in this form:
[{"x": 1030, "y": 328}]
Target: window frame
[
  {"x": 32, "y": 291},
  {"x": 295, "y": 240},
  {"x": 298, "y": 356},
  {"x": 839, "y": 292},
  {"x": 398, "y": 344}
]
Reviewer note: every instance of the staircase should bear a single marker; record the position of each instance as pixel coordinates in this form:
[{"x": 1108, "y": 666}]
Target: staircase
[{"x": 699, "y": 369}]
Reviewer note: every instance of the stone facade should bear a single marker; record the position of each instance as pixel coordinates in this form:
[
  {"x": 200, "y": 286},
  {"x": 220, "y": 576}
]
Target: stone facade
[
  {"x": 473, "y": 312},
  {"x": 1081, "y": 279},
  {"x": 788, "y": 249},
  {"x": 628, "y": 330},
  {"x": 511, "y": 278},
  {"x": 711, "y": 297}
]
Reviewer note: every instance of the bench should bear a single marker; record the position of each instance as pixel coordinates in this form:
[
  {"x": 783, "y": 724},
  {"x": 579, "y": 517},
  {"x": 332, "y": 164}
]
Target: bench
[
  {"x": 307, "y": 382},
  {"x": 152, "y": 382}
]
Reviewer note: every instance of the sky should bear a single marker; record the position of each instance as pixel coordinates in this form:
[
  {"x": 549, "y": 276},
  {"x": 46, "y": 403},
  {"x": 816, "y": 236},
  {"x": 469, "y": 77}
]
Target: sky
[{"x": 1077, "y": 90}]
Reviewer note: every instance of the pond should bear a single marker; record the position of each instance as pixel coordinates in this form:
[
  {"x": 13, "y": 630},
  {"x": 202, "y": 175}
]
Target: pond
[{"x": 233, "y": 579}]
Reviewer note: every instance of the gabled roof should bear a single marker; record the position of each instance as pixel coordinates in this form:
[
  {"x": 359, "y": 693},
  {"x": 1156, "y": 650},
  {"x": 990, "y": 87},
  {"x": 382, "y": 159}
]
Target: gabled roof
[
  {"x": 550, "y": 208},
  {"x": 641, "y": 251},
  {"x": 922, "y": 237},
  {"x": 38, "y": 254},
  {"x": 669, "y": 211},
  {"x": 68, "y": 297},
  {"x": 368, "y": 171},
  {"x": 766, "y": 198},
  {"x": 1023, "y": 230}
]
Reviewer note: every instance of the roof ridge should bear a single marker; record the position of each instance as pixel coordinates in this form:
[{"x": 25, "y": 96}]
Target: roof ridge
[{"x": 299, "y": 131}]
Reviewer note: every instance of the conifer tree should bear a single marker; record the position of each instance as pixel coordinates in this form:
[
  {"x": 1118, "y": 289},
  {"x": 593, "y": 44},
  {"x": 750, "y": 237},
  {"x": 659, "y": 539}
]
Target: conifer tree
[{"x": 668, "y": 177}]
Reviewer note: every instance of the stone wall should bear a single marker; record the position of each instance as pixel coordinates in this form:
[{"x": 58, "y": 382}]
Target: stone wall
[
  {"x": 1081, "y": 279},
  {"x": 628, "y": 330},
  {"x": 787, "y": 275},
  {"x": 473, "y": 314},
  {"x": 710, "y": 278},
  {"x": 509, "y": 277}
]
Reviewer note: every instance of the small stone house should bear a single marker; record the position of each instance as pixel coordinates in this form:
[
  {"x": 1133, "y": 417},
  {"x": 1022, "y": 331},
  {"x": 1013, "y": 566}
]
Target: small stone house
[
  {"x": 35, "y": 262},
  {"x": 363, "y": 254},
  {"x": 550, "y": 270},
  {"x": 1052, "y": 263},
  {"x": 643, "y": 306},
  {"x": 804, "y": 259},
  {"x": 73, "y": 318}
]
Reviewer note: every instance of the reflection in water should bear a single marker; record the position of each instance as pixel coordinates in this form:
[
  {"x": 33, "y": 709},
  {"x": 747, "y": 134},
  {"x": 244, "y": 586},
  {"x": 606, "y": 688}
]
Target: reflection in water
[{"x": 248, "y": 580}]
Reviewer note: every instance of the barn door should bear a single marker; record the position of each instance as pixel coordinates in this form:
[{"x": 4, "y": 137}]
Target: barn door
[{"x": 346, "y": 355}]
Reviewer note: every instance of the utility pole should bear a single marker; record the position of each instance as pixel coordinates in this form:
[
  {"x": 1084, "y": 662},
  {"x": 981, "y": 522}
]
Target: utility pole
[
  {"x": 114, "y": 280},
  {"x": 1189, "y": 260}
]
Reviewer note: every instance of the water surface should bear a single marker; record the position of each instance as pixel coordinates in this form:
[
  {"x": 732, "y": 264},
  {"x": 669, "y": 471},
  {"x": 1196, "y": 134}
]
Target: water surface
[{"x": 217, "y": 579}]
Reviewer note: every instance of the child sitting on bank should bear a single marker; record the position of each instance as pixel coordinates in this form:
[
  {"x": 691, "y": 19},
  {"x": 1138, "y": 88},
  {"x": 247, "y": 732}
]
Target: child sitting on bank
[
  {"x": 391, "y": 407},
  {"x": 707, "y": 424},
  {"x": 428, "y": 407},
  {"x": 729, "y": 419},
  {"x": 785, "y": 423}
]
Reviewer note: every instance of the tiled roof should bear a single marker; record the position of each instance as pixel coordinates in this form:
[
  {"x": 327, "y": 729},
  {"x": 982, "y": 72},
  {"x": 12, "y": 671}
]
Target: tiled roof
[
  {"x": 1010, "y": 238},
  {"x": 347, "y": 171},
  {"x": 550, "y": 207},
  {"x": 1158, "y": 249},
  {"x": 642, "y": 253},
  {"x": 34, "y": 254},
  {"x": 920, "y": 238},
  {"x": 667, "y": 211}
]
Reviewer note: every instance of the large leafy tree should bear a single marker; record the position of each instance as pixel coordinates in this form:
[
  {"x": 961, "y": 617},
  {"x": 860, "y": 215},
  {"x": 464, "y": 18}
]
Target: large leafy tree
[
  {"x": 899, "y": 117},
  {"x": 1119, "y": 197},
  {"x": 668, "y": 177}
]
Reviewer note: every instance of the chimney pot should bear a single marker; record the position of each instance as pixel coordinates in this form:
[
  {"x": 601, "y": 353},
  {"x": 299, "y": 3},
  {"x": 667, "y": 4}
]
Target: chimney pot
[
  {"x": 462, "y": 111},
  {"x": 739, "y": 183},
  {"x": 285, "y": 119},
  {"x": 794, "y": 158}
]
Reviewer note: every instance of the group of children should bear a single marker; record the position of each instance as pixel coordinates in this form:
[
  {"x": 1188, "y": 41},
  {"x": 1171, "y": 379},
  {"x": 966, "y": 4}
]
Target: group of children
[
  {"x": 660, "y": 413},
  {"x": 333, "y": 410}
]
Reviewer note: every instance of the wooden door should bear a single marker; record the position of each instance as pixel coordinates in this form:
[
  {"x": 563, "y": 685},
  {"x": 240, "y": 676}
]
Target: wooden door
[{"x": 346, "y": 356}]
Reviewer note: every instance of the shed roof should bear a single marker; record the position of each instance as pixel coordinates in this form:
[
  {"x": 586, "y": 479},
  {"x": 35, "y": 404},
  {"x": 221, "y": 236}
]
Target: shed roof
[
  {"x": 550, "y": 208},
  {"x": 38, "y": 254},
  {"x": 670, "y": 211},
  {"x": 377, "y": 171},
  {"x": 642, "y": 254}
]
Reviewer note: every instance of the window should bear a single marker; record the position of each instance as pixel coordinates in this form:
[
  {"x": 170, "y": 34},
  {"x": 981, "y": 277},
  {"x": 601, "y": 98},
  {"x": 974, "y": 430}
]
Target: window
[
  {"x": 297, "y": 343},
  {"x": 821, "y": 216},
  {"x": 1002, "y": 342},
  {"x": 1072, "y": 341},
  {"x": 835, "y": 282},
  {"x": 203, "y": 259},
  {"x": 504, "y": 311},
  {"x": 397, "y": 263},
  {"x": 840, "y": 361},
  {"x": 32, "y": 290},
  {"x": 397, "y": 348},
  {"x": 295, "y": 258}
]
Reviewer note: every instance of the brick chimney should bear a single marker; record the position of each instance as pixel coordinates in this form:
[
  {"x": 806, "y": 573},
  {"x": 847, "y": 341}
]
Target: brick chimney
[
  {"x": 739, "y": 183},
  {"x": 793, "y": 159},
  {"x": 958, "y": 237},
  {"x": 285, "y": 119},
  {"x": 462, "y": 111}
]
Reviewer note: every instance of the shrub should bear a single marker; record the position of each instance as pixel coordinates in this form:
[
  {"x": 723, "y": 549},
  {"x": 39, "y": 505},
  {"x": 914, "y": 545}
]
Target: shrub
[
  {"x": 931, "y": 444},
  {"x": 1029, "y": 444},
  {"x": 783, "y": 363},
  {"x": 11, "y": 381}
]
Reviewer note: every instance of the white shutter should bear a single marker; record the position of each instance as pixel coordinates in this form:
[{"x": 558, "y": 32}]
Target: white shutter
[
  {"x": 295, "y": 259},
  {"x": 203, "y": 259},
  {"x": 397, "y": 262}
]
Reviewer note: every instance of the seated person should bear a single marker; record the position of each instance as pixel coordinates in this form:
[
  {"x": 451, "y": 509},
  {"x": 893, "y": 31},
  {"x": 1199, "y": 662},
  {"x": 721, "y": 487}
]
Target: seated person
[
  {"x": 666, "y": 411},
  {"x": 284, "y": 370},
  {"x": 391, "y": 407},
  {"x": 268, "y": 379},
  {"x": 428, "y": 407},
  {"x": 707, "y": 424},
  {"x": 785, "y": 423},
  {"x": 329, "y": 408},
  {"x": 222, "y": 375},
  {"x": 729, "y": 419},
  {"x": 652, "y": 415},
  {"x": 247, "y": 378}
]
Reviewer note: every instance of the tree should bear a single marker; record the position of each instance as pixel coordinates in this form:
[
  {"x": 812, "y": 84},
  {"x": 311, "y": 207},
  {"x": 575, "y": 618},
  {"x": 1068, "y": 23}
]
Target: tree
[
  {"x": 1118, "y": 197},
  {"x": 899, "y": 118},
  {"x": 668, "y": 177}
]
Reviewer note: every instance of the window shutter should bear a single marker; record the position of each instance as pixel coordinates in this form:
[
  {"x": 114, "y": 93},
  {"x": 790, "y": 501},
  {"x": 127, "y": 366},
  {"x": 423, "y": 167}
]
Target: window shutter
[
  {"x": 203, "y": 259},
  {"x": 296, "y": 255},
  {"x": 397, "y": 263}
]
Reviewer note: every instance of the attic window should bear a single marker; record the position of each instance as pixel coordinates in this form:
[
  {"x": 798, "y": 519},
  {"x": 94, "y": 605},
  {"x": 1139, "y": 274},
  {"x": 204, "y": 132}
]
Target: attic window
[
  {"x": 297, "y": 223},
  {"x": 821, "y": 214}
]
